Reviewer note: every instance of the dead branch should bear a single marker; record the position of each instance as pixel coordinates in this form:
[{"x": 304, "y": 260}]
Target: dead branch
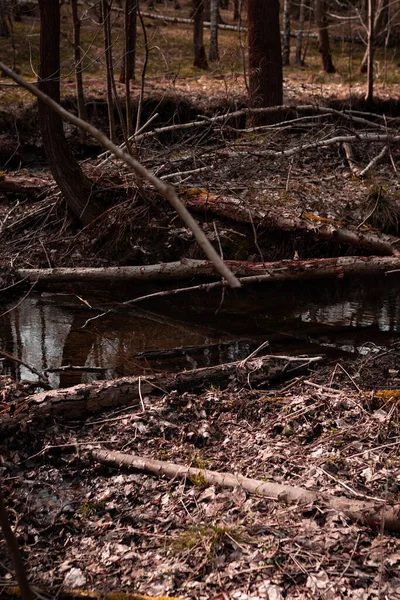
[
  {"x": 283, "y": 270},
  {"x": 347, "y": 115},
  {"x": 367, "y": 513},
  {"x": 373, "y": 162},
  {"x": 141, "y": 172},
  {"x": 348, "y": 150},
  {"x": 86, "y": 399},
  {"x": 42, "y": 378},
  {"x": 12, "y": 544}
]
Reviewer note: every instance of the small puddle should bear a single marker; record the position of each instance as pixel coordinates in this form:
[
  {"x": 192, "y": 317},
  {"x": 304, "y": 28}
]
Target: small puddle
[{"x": 49, "y": 330}]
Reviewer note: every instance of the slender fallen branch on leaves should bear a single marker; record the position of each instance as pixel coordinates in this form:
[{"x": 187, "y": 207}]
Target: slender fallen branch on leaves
[
  {"x": 141, "y": 172},
  {"x": 283, "y": 270},
  {"x": 86, "y": 399},
  {"x": 367, "y": 513}
]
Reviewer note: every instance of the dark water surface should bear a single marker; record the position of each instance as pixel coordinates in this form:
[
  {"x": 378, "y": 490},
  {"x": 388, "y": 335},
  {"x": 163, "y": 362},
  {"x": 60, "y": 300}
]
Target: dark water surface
[{"x": 49, "y": 329}]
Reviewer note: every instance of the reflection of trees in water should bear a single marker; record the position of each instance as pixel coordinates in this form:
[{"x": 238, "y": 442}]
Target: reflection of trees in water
[
  {"x": 34, "y": 333},
  {"x": 365, "y": 309}
]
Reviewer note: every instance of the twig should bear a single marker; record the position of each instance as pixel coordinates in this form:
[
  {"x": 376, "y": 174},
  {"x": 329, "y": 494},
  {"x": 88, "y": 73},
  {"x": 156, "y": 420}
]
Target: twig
[
  {"x": 17, "y": 360},
  {"x": 373, "y": 162}
]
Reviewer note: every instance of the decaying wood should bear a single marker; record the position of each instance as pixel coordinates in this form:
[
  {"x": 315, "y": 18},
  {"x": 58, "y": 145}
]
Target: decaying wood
[
  {"x": 85, "y": 399},
  {"x": 319, "y": 227},
  {"x": 248, "y": 272},
  {"x": 141, "y": 172},
  {"x": 365, "y": 512}
]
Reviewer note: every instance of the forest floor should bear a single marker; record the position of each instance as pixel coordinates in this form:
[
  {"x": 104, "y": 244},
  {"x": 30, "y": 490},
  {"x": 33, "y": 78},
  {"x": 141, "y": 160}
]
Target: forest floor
[{"x": 83, "y": 526}]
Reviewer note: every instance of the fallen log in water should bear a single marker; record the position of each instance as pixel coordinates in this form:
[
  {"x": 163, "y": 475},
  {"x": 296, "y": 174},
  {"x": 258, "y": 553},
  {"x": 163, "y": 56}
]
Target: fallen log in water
[
  {"x": 85, "y": 399},
  {"x": 373, "y": 514},
  {"x": 282, "y": 270}
]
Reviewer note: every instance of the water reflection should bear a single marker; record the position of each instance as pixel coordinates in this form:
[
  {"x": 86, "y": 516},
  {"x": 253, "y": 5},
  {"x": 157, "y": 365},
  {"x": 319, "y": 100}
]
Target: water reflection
[{"x": 47, "y": 330}]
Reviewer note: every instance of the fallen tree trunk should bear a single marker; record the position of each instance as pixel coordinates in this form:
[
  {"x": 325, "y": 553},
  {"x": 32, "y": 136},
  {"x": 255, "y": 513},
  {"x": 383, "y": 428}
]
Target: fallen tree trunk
[
  {"x": 307, "y": 223},
  {"x": 89, "y": 398},
  {"x": 283, "y": 270},
  {"x": 367, "y": 513}
]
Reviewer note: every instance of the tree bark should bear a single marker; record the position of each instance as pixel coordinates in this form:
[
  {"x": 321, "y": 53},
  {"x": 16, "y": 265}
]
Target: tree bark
[
  {"x": 200, "y": 59},
  {"x": 323, "y": 37},
  {"x": 367, "y": 513},
  {"x": 265, "y": 56},
  {"x": 73, "y": 184}
]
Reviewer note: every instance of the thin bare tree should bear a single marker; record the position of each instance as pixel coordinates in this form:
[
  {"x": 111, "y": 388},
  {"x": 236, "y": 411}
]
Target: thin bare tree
[
  {"x": 286, "y": 32},
  {"x": 200, "y": 59},
  {"x": 80, "y": 96},
  {"x": 213, "y": 53},
  {"x": 370, "y": 52},
  {"x": 106, "y": 14},
  {"x": 323, "y": 37}
]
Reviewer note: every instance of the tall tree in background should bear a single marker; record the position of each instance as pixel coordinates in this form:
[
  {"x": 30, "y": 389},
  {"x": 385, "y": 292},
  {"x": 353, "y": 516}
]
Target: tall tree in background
[
  {"x": 129, "y": 60},
  {"x": 381, "y": 19},
  {"x": 298, "y": 59},
  {"x": 68, "y": 175},
  {"x": 323, "y": 37},
  {"x": 286, "y": 32},
  {"x": 213, "y": 51},
  {"x": 370, "y": 52},
  {"x": 200, "y": 59},
  {"x": 76, "y": 23},
  {"x": 265, "y": 55},
  {"x": 106, "y": 13}
]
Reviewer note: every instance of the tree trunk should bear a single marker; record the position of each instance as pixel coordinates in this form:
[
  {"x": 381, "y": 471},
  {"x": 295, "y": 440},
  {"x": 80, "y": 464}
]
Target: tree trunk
[
  {"x": 82, "y": 113},
  {"x": 106, "y": 10},
  {"x": 129, "y": 60},
  {"x": 380, "y": 20},
  {"x": 213, "y": 52},
  {"x": 265, "y": 56},
  {"x": 370, "y": 53},
  {"x": 283, "y": 270},
  {"x": 74, "y": 186},
  {"x": 323, "y": 37},
  {"x": 286, "y": 32},
  {"x": 200, "y": 59},
  {"x": 298, "y": 60}
]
